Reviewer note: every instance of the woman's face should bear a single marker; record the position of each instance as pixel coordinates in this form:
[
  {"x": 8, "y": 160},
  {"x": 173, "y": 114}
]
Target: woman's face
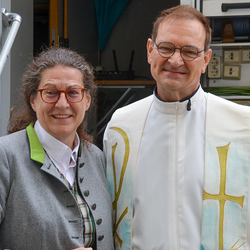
[{"x": 61, "y": 119}]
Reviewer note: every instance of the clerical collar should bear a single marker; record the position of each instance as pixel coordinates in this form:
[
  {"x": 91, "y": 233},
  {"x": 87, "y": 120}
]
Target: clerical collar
[
  {"x": 182, "y": 100},
  {"x": 172, "y": 107},
  {"x": 189, "y": 99}
]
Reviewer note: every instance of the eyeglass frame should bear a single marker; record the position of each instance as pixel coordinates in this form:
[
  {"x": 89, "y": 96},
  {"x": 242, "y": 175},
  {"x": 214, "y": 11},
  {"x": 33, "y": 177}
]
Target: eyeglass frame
[
  {"x": 198, "y": 51},
  {"x": 60, "y": 92}
]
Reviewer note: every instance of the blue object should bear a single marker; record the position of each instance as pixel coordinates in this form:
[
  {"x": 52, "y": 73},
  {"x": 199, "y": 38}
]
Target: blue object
[
  {"x": 107, "y": 12},
  {"x": 202, "y": 247}
]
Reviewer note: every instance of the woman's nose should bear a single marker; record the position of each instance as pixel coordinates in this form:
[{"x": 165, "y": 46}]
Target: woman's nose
[{"x": 62, "y": 101}]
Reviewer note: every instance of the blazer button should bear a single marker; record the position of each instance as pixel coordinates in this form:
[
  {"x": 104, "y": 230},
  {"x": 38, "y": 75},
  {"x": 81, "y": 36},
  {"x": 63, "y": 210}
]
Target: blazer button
[
  {"x": 100, "y": 237},
  {"x": 81, "y": 179},
  {"x": 93, "y": 206},
  {"x": 99, "y": 221},
  {"x": 70, "y": 206},
  {"x": 81, "y": 165},
  {"x": 86, "y": 193}
]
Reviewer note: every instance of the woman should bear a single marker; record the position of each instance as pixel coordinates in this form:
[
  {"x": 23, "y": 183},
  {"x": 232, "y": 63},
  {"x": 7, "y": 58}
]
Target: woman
[{"x": 53, "y": 190}]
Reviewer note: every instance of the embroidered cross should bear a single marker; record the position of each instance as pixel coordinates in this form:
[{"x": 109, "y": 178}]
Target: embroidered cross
[
  {"x": 119, "y": 218},
  {"x": 222, "y": 197}
]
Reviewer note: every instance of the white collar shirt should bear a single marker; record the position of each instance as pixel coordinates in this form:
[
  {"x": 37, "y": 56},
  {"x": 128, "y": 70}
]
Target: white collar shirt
[{"x": 63, "y": 157}]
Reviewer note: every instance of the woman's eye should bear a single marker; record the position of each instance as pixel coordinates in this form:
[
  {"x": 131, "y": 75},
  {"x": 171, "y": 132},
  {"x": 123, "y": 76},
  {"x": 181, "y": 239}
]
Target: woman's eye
[
  {"x": 51, "y": 92},
  {"x": 73, "y": 92}
]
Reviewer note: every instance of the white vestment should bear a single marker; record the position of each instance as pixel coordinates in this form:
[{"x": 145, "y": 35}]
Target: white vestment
[
  {"x": 161, "y": 159},
  {"x": 168, "y": 189}
]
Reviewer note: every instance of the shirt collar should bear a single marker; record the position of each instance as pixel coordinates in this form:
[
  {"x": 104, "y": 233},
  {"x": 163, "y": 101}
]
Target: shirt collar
[{"x": 55, "y": 148}]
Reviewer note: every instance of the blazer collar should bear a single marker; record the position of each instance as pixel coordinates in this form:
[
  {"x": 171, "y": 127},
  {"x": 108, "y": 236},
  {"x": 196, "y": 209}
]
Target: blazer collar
[{"x": 36, "y": 150}]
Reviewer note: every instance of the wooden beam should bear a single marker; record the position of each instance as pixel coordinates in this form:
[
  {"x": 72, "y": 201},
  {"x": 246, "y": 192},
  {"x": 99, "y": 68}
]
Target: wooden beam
[
  {"x": 53, "y": 27},
  {"x": 65, "y": 20}
]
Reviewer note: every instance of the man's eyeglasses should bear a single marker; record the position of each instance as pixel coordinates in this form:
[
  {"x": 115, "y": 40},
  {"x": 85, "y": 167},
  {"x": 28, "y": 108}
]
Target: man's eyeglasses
[
  {"x": 167, "y": 49},
  {"x": 52, "y": 95}
]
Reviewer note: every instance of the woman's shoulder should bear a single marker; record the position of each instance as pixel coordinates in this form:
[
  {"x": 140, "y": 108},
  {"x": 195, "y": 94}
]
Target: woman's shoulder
[
  {"x": 91, "y": 152},
  {"x": 18, "y": 137},
  {"x": 91, "y": 149}
]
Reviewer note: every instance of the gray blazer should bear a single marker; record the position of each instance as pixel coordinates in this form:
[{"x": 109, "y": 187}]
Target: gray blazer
[{"x": 38, "y": 211}]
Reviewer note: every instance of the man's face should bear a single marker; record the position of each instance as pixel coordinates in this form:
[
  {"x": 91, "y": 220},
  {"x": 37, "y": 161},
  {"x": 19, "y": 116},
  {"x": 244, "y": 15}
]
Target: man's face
[{"x": 175, "y": 77}]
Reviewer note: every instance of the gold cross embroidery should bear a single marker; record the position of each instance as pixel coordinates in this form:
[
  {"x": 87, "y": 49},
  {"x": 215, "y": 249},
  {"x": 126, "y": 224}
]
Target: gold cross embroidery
[
  {"x": 236, "y": 248},
  {"x": 222, "y": 197},
  {"x": 119, "y": 218}
]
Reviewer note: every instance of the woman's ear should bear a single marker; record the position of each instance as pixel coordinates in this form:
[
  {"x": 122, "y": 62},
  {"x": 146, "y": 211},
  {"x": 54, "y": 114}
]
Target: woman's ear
[
  {"x": 33, "y": 103},
  {"x": 88, "y": 101}
]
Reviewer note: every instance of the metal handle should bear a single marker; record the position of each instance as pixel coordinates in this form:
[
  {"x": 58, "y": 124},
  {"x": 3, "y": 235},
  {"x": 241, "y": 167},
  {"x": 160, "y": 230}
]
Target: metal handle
[
  {"x": 13, "y": 20},
  {"x": 227, "y": 6}
]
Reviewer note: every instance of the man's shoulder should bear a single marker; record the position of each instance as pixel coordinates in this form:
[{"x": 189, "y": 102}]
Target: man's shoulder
[
  {"x": 133, "y": 113},
  {"x": 135, "y": 107},
  {"x": 226, "y": 103}
]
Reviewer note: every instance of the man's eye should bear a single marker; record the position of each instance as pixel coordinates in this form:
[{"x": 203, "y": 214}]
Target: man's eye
[
  {"x": 165, "y": 49},
  {"x": 190, "y": 52}
]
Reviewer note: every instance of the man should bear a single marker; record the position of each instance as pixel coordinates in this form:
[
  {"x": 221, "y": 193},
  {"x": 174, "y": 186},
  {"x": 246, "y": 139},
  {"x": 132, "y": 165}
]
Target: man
[{"x": 178, "y": 161}]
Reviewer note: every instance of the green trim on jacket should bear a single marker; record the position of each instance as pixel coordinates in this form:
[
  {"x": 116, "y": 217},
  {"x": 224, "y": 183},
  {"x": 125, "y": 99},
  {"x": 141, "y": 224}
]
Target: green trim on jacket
[{"x": 36, "y": 150}]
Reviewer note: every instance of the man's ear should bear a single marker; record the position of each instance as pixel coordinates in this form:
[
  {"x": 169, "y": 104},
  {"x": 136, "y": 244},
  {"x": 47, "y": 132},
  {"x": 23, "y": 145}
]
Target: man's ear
[
  {"x": 207, "y": 58},
  {"x": 150, "y": 44}
]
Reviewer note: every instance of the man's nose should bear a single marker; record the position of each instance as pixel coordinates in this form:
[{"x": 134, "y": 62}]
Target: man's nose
[{"x": 176, "y": 59}]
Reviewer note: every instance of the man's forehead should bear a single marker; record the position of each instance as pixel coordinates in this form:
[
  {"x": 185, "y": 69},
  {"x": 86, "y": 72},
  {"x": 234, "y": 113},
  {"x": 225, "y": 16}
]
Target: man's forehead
[{"x": 179, "y": 21}]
